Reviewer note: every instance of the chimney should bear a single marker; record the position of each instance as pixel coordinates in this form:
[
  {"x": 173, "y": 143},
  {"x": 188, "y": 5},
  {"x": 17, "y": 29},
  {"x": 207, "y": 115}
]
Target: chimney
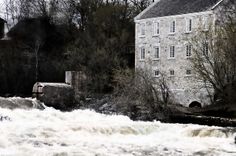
[{"x": 5, "y": 30}]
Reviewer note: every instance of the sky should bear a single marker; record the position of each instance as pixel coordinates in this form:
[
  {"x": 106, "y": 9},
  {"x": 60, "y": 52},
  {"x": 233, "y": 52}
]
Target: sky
[{"x": 2, "y": 8}]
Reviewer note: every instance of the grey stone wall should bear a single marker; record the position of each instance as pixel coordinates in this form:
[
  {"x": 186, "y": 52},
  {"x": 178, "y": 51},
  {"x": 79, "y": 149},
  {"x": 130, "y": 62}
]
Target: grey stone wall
[
  {"x": 62, "y": 96},
  {"x": 78, "y": 81},
  {"x": 57, "y": 95},
  {"x": 185, "y": 88}
]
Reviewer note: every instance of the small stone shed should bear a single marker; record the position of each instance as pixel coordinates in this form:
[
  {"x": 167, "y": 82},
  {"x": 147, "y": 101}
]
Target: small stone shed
[
  {"x": 57, "y": 95},
  {"x": 61, "y": 96}
]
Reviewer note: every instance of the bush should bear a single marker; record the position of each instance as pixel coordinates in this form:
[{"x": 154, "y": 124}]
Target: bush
[{"x": 140, "y": 96}]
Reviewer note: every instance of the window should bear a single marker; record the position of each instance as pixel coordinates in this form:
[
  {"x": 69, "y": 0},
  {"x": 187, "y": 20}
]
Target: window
[
  {"x": 189, "y": 25},
  {"x": 156, "y": 52},
  {"x": 188, "y": 72},
  {"x": 172, "y": 72},
  {"x": 156, "y": 73},
  {"x": 142, "y": 29},
  {"x": 188, "y": 50},
  {"x": 172, "y": 51},
  {"x": 142, "y": 53},
  {"x": 156, "y": 28},
  {"x": 205, "y": 49},
  {"x": 172, "y": 27}
]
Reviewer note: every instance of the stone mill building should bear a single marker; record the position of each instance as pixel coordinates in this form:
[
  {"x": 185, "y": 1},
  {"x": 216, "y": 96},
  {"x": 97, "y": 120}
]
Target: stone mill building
[{"x": 163, "y": 31}]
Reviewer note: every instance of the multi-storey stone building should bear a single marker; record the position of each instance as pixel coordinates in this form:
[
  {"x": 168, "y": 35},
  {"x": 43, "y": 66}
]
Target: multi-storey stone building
[{"x": 163, "y": 32}]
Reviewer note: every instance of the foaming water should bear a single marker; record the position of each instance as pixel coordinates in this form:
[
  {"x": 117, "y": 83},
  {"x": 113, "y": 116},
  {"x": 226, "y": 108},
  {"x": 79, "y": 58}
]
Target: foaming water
[
  {"x": 18, "y": 102},
  {"x": 50, "y": 132}
]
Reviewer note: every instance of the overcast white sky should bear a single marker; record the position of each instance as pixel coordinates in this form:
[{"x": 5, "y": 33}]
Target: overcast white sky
[{"x": 2, "y": 9}]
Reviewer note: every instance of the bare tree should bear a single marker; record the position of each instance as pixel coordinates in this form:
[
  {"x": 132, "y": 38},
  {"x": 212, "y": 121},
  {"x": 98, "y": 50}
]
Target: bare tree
[
  {"x": 164, "y": 89},
  {"x": 139, "y": 92},
  {"x": 214, "y": 57},
  {"x": 21, "y": 9},
  {"x": 141, "y": 4},
  {"x": 11, "y": 10}
]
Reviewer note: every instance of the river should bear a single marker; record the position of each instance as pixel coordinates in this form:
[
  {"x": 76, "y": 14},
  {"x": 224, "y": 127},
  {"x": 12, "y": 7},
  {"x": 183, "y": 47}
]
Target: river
[{"x": 28, "y": 131}]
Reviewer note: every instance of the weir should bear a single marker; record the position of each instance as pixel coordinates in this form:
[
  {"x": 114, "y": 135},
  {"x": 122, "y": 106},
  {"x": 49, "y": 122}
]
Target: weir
[
  {"x": 83, "y": 132},
  {"x": 20, "y": 103}
]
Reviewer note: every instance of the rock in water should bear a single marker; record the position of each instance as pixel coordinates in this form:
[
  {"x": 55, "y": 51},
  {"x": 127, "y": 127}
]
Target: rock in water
[{"x": 2, "y": 118}]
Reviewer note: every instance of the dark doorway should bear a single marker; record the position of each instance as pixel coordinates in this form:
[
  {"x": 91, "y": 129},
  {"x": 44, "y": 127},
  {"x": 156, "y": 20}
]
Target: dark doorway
[{"x": 195, "y": 104}]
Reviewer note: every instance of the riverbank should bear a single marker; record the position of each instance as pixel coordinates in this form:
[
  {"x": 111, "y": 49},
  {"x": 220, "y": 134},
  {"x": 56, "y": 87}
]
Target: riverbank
[{"x": 214, "y": 115}]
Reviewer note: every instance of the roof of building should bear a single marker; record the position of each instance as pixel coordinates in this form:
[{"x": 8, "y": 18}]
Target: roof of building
[{"x": 175, "y": 7}]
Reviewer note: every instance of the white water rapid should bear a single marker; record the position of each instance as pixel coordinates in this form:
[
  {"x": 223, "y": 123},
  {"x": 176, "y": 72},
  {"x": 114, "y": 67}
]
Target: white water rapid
[{"x": 49, "y": 132}]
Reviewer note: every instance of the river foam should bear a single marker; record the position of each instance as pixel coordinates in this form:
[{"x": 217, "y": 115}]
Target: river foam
[
  {"x": 20, "y": 103},
  {"x": 51, "y": 132}
]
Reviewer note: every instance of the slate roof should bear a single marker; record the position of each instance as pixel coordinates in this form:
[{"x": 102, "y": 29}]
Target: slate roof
[{"x": 176, "y": 7}]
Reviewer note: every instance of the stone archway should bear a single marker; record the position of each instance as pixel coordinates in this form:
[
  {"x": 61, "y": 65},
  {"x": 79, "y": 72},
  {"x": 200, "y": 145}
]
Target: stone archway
[{"x": 195, "y": 104}]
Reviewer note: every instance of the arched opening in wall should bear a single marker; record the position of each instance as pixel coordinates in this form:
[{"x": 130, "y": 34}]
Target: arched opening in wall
[{"x": 195, "y": 104}]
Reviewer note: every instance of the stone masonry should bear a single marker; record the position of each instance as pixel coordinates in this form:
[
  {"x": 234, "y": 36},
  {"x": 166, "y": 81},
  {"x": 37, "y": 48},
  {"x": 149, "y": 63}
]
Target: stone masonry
[{"x": 176, "y": 67}]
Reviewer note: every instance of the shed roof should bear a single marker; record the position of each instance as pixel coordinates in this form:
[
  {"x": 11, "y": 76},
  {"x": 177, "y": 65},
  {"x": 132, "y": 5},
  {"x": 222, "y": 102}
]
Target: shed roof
[
  {"x": 42, "y": 84},
  {"x": 175, "y": 7}
]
